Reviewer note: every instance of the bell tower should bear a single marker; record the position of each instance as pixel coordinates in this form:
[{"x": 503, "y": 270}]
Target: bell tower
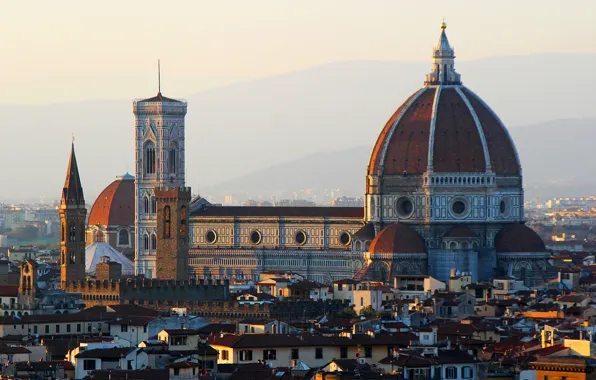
[
  {"x": 159, "y": 162},
  {"x": 72, "y": 225}
]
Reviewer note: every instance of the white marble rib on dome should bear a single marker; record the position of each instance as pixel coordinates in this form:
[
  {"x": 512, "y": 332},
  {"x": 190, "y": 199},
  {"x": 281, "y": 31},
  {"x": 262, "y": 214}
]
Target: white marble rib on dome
[{"x": 96, "y": 251}]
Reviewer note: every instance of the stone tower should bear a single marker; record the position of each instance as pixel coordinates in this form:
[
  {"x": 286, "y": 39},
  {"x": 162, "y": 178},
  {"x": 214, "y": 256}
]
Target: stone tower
[
  {"x": 159, "y": 162},
  {"x": 172, "y": 233},
  {"x": 28, "y": 282},
  {"x": 72, "y": 225}
]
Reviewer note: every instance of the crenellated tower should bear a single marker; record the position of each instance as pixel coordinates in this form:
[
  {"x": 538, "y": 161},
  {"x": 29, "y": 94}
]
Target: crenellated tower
[
  {"x": 159, "y": 162},
  {"x": 172, "y": 233},
  {"x": 72, "y": 225}
]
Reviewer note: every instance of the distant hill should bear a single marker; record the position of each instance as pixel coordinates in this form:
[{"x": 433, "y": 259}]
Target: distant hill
[
  {"x": 556, "y": 160},
  {"x": 244, "y": 128}
]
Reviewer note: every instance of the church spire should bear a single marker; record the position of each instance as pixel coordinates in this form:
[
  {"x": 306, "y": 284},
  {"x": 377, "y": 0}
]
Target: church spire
[
  {"x": 72, "y": 193},
  {"x": 443, "y": 69}
]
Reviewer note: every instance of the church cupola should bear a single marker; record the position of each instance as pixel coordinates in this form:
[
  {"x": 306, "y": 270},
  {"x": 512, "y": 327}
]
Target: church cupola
[
  {"x": 72, "y": 193},
  {"x": 443, "y": 68}
]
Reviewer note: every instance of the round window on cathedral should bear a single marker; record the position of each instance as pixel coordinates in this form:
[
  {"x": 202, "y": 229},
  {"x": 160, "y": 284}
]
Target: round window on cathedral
[
  {"x": 345, "y": 238},
  {"x": 300, "y": 237},
  {"x": 404, "y": 207},
  {"x": 460, "y": 207},
  {"x": 255, "y": 237},
  {"x": 211, "y": 237}
]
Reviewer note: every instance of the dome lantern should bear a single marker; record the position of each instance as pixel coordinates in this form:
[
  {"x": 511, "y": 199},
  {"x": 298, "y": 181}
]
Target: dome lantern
[{"x": 443, "y": 64}]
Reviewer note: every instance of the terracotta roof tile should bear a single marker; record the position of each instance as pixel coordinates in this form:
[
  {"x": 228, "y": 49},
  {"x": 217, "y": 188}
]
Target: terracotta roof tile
[
  {"x": 501, "y": 150},
  {"x": 115, "y": 205},
  {"x": 519, "y": 238},
  {"x": 457, "y": 146},
  {"x": 397, "y": 238}
]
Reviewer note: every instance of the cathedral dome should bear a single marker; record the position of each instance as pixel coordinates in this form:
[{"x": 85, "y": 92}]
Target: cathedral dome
[
  {"x": 115, "y": 205},
  {"x": 397, "y": 238},
  {"x": 444, "y": 127},
  {"x": 518, "y": 238}
]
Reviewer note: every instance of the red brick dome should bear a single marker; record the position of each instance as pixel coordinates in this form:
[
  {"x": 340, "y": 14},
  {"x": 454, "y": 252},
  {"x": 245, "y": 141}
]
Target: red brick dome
[
  {"x": 115, "y": 205},
  {"x": 446, "y": 128},
  {"x": 518, "y": 238},
  {"x": 397, "y": 238}
]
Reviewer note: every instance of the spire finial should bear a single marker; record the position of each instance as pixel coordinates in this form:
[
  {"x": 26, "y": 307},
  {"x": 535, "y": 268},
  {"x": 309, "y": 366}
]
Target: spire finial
[
  {"x": 443, "y": 24},
  {"x": 73, "y": 139},
  {"x": 158, "y": 76}
]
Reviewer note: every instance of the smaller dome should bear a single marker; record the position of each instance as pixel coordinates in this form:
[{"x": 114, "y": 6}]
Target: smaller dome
[
  {"x": 103, "y": 252},
  {"x": 397, "y": 238},
  {"x": 115, "y": 205},
  {"x": 519, "y": 238}
]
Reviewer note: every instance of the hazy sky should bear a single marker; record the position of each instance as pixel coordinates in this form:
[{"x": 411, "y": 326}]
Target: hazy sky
[{"x": 56, "y": 51}]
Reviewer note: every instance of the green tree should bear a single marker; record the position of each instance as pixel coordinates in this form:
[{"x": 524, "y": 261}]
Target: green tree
[{"x": 25, "y": 233}]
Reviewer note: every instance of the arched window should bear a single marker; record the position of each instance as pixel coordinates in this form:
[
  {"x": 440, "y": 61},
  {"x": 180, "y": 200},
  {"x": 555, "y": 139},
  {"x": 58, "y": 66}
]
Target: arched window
[
  {"x": 465, "y": 245},
  {"x": 72, "y": 232},
  {"x": 173, "y": 157},
  {"x": 63, "y": 258},
  {"x": 153, "y": 205},
  {"x": 153, "y": 242},
  {"x": 123, "y": 237},
  {"x": 183, "y": 221},
  {"x": 146, "y": 242},
  {"x": 63, "y": 232},
  {"x": 146, "y": 205},
  {"x": 149, "y": 158},
  {"x": 453, "y": 245},
  {"x": 166, "y": 222},
  {"x": 73, "y": 257}
]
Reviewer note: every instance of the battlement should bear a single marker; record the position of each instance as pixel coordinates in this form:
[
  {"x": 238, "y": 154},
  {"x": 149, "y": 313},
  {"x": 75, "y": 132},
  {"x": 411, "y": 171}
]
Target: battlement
[
  {"x": 168, "y": 194},
  {"x": 142, "y": 290}
]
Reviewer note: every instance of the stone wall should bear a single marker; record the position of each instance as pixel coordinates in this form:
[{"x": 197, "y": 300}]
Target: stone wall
[{"x": 167, "y": 292}]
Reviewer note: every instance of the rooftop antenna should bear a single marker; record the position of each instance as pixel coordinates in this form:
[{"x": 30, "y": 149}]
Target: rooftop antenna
[{"x": 158, "y": 76}]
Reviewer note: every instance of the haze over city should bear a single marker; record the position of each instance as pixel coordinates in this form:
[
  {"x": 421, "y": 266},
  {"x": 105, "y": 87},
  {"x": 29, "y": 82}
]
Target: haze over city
[{"x": 270, "y": 82}]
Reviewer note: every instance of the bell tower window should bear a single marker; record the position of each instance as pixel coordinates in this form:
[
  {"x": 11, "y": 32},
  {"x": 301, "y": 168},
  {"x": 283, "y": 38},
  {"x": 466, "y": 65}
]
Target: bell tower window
[
  {"x": 173, "y": 157},
  {"x": 73, "y": 257},
  {"x": 146, "y": 205},
  {"x": 146, "y": 241},
  {"x": 72, "y": 233},
  {"x": 166, "y": 222},
  {"x": 149, "y": 158}
]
